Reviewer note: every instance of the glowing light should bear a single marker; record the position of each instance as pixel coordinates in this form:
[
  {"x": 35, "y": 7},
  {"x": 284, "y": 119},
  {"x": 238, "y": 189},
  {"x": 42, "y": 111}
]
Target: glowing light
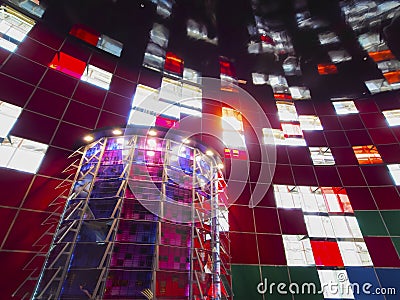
[
  {"x": 117, "y": 132},
  {"x": 152, "y": 132},
  {"x": 88, "y": 138},
  {"x": 220, "y": 166},
  {"x": 209, "y": 153}
]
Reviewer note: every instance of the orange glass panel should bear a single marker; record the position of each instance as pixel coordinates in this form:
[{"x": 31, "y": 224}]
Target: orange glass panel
[
  {"x": 381, "y": 55},
  {"x": 326, "y": 69},
  {"x": 392, "y": 77},
  {"x": 367, "y": 155}
]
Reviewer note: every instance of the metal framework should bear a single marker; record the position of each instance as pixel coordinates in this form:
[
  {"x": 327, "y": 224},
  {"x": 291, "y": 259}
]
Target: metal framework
[{"x": 143, "y": 220}]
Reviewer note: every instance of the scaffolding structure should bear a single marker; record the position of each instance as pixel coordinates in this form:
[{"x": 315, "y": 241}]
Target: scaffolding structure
[{"x": 144, "y": 220}]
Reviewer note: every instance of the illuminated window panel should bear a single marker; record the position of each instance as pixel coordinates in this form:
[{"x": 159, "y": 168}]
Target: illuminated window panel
[
  {"x": 389, "y": 65},
  {"x": 336, "y": 199},
  {"x": 367, "y": 154},
  {"x": 379, "y": 56},
  {"x": 198, "y": 31},
  {"x": 280, "y": 96},
  {"x": 277, "y": 137},
  {"x": 21, "y": 154},
  {"x": 171, "y": 90},
  {"x": 326, "y": 38},
  {"x": 287, "y": 196},
  {"x": 394, "y": 170},
  {"x": 392, "y": 77},
  {"x": 355, "y": 253},
  {"x": 310, "y": 123},
  {"x": 154, "y": 57},
  {"x": 97, "y": 76},
  {"x": 338, "y": 56},
  {"x": 327, "y": 69},
  {"x": 259, "y": 78},
  {"x": 345, "y": 107},
  {"x": 14, "y": 27},
  {"x": 191, "y": 75},
  {"x": 279, "y": 84},
  {"x": 291, "y": 66},
  {"x": 33, "y": 7},
  {"x": 337, "y": 279},
  {"x": 345, "y": 227},
  {"x": 159, "y": 35},
  {"x": 191, "y": 102},
  {"x": 9, "y": 114},
  {"x": 322, "y": 156},
  {"x": 144, "y": 103},
  {"x": 67, "y": 64},
  {"x": 319, "y": 226},
  {"x": 392, "y": 117},
  {"x": 291, "y": 130},
  {"x": 287, "y": 111},
  {"x": 377, "y": 86},
  {"x": 298, "y": 250},
  {"x": 299, "y": 93},
  {"x": 311, "y": 199},
  {"x": 164, "y": 7},
  {"x": 173, "y": 64},
  {"x": 370, "y": 41},
  {"x": 110, "y": 45},
  {"x": 232, "y": 119}
]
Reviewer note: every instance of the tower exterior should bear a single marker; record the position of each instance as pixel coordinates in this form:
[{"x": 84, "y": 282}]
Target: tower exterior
[{"x": 144, "y": 220}]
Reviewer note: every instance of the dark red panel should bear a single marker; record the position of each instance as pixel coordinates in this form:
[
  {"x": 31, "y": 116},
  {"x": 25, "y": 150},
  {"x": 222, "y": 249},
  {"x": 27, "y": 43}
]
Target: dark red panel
[
  {"x": 366, "y": 106},
  {"x": 127, "y": 72},
  {"x": 244, "y": 195},
  {"x": 68, "y": 136},
  {"x": 382, "y": 136},
  {"x": 327, "y": 176},
  {"x": 315, "y": 138},
  {"x": 326, "y": 253},
  {"x": 336, "y": 138},
  {"x": 46, "y": 35},
  {"x": 4, "y": 54},
  {"x": 283, "y": 175},
  {"x": 324, "y": 108},
  {"x": 271, "y": 249},
  {"x": 304, "y": 175},
  {"x": 344, "y": 156},
  {"x": 81, "y": 114},
  {"x": 268, "y": 199},
  {"x": 374, "y": 120},
  {"x": 13, "y": 185},
  {"x": 122, "y": 87},
  {"x": 43, "y": 192},
  {"x": 376, "y": 245},
  {"x": 292, "y": 221},
  {"x": 23, "y": 69},
  {"x": 76, "y": 49},
  {"x": 16, "y": 92},
  {"x": 55, "y": 161},
  {"x": 330, "y": 123},
  {"x": 68, "y": 64},
  {"x": 282, "y": 156},
  {"x": 255, "y": 168},
  {"x": 389, "y": 153},
  {"x": 15, "y": 262},
  {"x": 89, "y": 94},
  {"x": 358, "y": 137},
  {"x": 241, "y": 254},
  {"x": 18, "y": 238},
  {"x": 51, "y": 81},
  {"x": 35, "y": 51},
  {"x": 6, "y": 217},
  {"x": 352, "y": 121},
  {"x": 110, "y": 119},
  {"x": 117, "y": 104},
  {"x": 35, "y": 127},
  {"x": 386, "y": 197},
  {"x": 377, "y": 175},
  {"x": 304, "y": 108},
  {"x": 105, "y": 62},
  {"x": 47, "y": 103},
  {"x": 299, "y": 155},
  {"x": 241, "y": 219},
  {"x": 351, "y": 176},
  {"x": 85, "y": 33},
  {"x": 266, "y": 220},
  {"x": 150, "y": 78},
  {"x": 361, "y": 198}
]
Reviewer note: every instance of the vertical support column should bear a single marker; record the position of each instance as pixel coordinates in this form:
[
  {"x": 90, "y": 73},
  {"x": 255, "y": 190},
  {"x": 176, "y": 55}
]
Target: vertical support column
[{"x": 215, "y": 235}]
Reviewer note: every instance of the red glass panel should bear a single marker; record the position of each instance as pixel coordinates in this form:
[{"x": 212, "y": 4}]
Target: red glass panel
[
  {"x": 381, "y": 55},
  {"x": 173, "y": 63},
  {"x": 326, "y": 253},
  {"x": 167, "y": 123},
  {"x": 85, "y": 33},
  {"x": 392, "y": 77},
  {"x": 326, "y": 69},
  {"x": 67, "y": 64},
  {"x": 227, "y": 68},
  {"x": 267, "y": 39},
  {"x": 279, "y": 96}
]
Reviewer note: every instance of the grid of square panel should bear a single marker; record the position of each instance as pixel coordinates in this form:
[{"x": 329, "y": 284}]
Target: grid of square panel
[{"x": 59, "y": 115}]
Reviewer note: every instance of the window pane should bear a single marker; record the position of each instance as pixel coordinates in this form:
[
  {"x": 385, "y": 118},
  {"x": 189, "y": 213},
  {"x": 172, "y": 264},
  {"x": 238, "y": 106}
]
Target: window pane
[
  {"x": 345, "y": 107},
  {"x": 9, "y": 114},
  {"x": 321, "y": 156},
  {"x": 392, "y": 117},
  {"x": 97, "y": 76}
]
